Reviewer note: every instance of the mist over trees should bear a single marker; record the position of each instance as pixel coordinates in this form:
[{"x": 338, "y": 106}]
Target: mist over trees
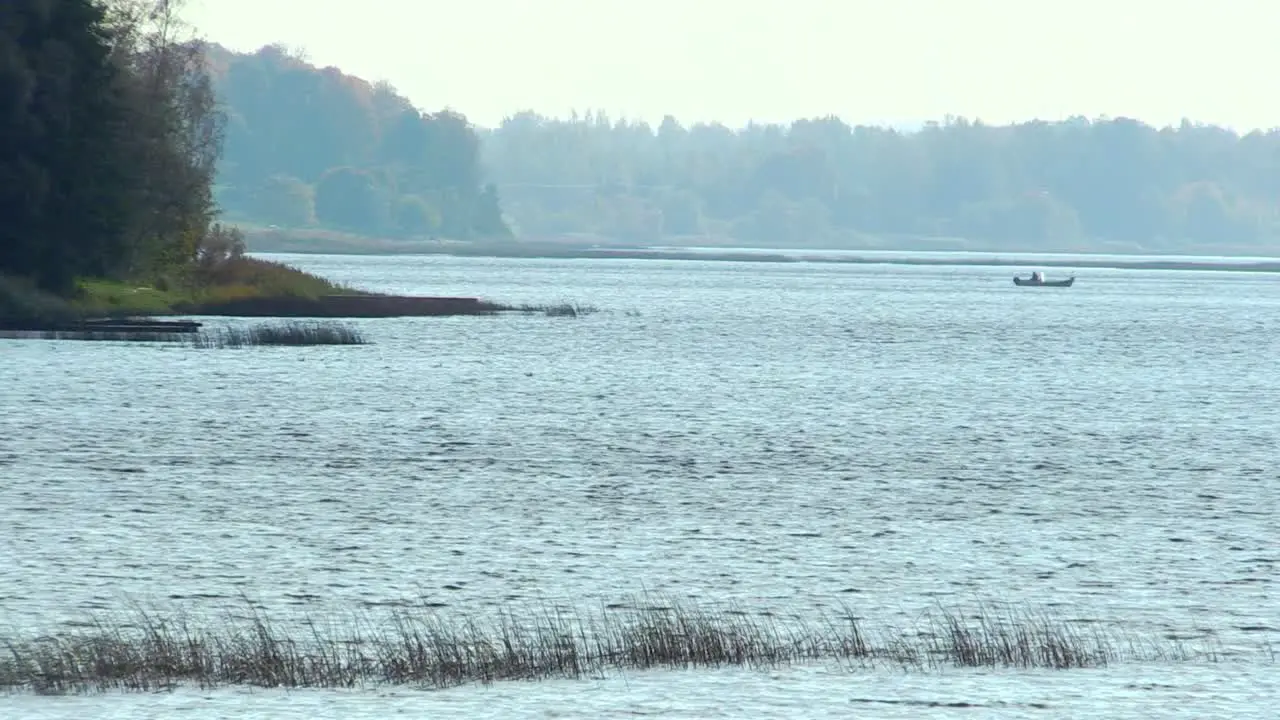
[
  {"x": 1077, "y": 184},
  {"x": 109, "y": 137},
  {"x": 313, "y": 147},
  {"x": 122, "y": 137}
]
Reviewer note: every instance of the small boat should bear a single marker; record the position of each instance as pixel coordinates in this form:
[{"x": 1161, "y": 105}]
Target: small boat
[{"x": 1037, "y": 280}]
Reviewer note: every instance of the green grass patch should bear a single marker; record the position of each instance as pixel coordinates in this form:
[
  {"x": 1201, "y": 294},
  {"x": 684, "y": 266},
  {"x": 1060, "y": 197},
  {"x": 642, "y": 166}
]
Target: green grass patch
[
  {"x": 236, "y": 279},
  {"x": 109, "y": 297}
]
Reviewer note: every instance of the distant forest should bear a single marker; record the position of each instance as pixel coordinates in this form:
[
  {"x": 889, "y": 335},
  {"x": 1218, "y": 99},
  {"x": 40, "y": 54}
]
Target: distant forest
[
  {"x": 1072, "y": 185},
  {"x": 312, "y": 147}
]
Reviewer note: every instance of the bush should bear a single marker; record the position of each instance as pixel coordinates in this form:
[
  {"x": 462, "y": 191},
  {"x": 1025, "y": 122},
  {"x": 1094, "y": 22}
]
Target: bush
[
  {"x": 284, "y": 200},
  {"x": 222, "y": 244},
  {"x": 21, "y": 303},
  {"x": 242, "y": 277}
]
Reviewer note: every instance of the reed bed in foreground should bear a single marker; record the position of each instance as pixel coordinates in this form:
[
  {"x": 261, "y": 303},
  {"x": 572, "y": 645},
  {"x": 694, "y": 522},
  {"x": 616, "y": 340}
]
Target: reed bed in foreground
[
  {"x": 292, "y": 334},
  {"x": 426, "y": 648}
]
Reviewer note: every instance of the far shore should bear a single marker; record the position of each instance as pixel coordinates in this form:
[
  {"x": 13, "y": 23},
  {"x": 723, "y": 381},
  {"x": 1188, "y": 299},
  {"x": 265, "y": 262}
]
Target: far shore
[
  {"x": 802, "y": 256},
  {"x": 281, "y": 243}
]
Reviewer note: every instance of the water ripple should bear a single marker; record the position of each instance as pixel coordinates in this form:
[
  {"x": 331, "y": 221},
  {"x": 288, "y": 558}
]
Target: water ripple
[{"x": 764, "y": 433}]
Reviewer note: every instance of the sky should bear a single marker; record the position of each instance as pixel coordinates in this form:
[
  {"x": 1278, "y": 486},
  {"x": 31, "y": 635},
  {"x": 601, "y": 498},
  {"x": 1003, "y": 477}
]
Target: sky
[{"x": 868, "y": 62}]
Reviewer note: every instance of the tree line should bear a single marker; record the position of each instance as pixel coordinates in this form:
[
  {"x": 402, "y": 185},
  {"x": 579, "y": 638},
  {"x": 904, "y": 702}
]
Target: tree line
[
  {"x": 122, "y": 138},
  {"x": 109, "y": 137},
  {"x": 315, "y": 147},
  {"x": 1074, "y": 184}
]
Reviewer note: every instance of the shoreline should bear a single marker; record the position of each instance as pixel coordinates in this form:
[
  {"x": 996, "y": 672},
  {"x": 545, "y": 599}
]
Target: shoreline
[
  {"x": 994, "y": 261},
  {"x": 349, "y": 306},
  {"x": 244, "y": 287},
  {"x": 324, "y": 309},
  {"x": 551, "y": 251}
]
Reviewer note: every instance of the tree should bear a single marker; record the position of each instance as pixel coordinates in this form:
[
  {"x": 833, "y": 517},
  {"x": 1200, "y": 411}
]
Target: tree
[
  {"x": 351, "y": 199},
  {"x": 64, "y": 181},
  {"x": 681, "y": 213},
  {"x": 414, "y": 216},
  {"x": 487, "y": 220},
  {"x": 412, "y": 172},
  {"x": 284, "y": 200},
  {"x": 1074, "y": 184},
  {"x": 176, "y": 132}
]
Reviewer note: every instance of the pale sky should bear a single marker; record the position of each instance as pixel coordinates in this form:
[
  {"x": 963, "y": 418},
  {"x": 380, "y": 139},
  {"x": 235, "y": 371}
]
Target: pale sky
[{"x": 777, "y": 60}]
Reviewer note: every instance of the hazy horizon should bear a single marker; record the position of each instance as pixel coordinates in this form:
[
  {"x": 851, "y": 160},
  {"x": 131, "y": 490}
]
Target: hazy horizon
[{"x": 995, "y": 60}]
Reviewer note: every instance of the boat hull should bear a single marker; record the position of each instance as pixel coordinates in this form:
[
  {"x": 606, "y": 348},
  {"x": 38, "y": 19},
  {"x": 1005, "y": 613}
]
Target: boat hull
[{"x": 1023, "y": 282}]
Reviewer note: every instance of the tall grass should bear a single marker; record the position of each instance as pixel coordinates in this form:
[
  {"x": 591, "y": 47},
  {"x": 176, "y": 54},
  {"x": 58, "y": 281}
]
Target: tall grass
[
  {"x": 290, "y": 334},
  {"x": 293, "y": 334},
  {"x": 243, "y": 277},
  {"x": 115, "y": 298},
  {"x": 564, "y": 309},
  {"x": 423, "y": 647}
]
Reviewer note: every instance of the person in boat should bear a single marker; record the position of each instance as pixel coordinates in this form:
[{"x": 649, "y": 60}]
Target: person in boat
[{"x": 1037, "y": 276}]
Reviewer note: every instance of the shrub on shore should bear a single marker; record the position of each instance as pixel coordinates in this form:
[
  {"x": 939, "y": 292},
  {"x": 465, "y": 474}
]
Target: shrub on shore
[
  {"x": 22, "y": 303},
  {"x": 254, "y": 277},
  {"x": 424, "y": 647}
]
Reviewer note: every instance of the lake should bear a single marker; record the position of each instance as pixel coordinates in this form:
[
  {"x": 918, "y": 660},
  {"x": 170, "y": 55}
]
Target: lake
[{"x": 782, "y": 437}]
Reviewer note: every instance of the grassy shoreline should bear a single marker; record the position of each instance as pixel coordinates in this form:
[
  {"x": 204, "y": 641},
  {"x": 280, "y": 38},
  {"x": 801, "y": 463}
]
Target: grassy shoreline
[
  {"x": 193, "y": 292},
  {"x": 245, "y": 287},
  {"x": 425, "y": 647}
]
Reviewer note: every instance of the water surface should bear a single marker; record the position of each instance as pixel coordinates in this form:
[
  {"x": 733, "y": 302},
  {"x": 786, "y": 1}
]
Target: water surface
[{"x": 782, "y": 436}]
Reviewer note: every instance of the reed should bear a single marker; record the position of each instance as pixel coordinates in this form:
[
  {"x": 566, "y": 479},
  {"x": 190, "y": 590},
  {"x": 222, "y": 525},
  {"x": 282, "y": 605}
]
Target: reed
[
  {"x": 292, "y": 334},
  {"x": 289, "y": 334},
  {"x": 421, "y": 646},
  {"x": 564, "y": 309}
]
